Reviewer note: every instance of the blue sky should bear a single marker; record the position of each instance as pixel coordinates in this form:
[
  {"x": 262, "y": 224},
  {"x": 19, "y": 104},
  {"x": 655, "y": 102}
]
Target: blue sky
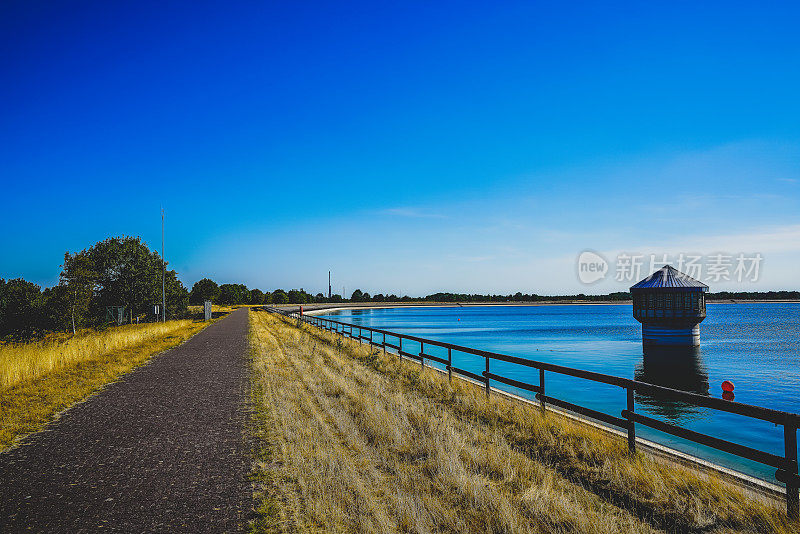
[{"x": 408, "y": 148}]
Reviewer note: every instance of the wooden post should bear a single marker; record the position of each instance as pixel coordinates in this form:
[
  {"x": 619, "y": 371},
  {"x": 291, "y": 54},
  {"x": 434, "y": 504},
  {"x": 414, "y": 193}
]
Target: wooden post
[
  {"x": 383, "y": 343},
  {"x": 449, "y": 364},
  {"x": 487, "y": 377},
  {"x": 541, "y": 385},
  {"x": 399, "y": 344},
  {"x": 421, "y": 352},
  {"x": 631, "y": 424},
  {"x": 790, "y": 446}
]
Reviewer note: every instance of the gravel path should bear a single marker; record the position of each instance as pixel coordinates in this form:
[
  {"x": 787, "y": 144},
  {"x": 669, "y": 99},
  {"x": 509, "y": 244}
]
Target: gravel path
[{"x": 161, "y": 450}]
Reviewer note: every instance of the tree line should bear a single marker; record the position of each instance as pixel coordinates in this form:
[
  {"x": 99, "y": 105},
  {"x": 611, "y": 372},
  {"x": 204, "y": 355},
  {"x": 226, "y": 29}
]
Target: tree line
[
  {"x": 120, "y": 278},
  {"x": 231, "y": 294}
]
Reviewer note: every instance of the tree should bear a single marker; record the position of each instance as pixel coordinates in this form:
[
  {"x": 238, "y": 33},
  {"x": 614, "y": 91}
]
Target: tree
[
  {"x": 296, "y": 297},
  {"x": 256, "y": 296},
  {"x": 20, "y": 305},
  {"x": 57, "y": 312},
  {"x": 122, "y": 271},
  {"x": 204, "y": 290},
  {"x": 279, "y": 297},
  {"x": 177, "y": 296},
  {"x": 77, "y": 281},
  {"x": 233, "y": 294},
  {"x": 357, "y": 296}
]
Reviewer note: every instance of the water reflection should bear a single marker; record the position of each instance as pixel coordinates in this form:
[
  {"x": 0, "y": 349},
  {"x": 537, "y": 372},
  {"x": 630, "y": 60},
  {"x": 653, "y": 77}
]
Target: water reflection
[{"x": 677, "y": 368}]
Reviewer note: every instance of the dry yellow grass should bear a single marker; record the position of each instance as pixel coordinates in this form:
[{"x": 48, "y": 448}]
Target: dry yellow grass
[
  {"x": 38, "y": 380},
  {"x": 26, "y": 361},
  {"x": 352, "y": 440}
]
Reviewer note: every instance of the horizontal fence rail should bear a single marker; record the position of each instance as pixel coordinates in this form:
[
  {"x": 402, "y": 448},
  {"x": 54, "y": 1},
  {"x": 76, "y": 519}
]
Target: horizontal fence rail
[{"x": 786, "y": 465}]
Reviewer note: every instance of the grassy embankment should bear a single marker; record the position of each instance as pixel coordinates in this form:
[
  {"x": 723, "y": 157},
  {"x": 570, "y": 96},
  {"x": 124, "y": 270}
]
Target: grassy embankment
[
  {"x": 352, "y": 440},
  {"x": 39, "y": 379}
]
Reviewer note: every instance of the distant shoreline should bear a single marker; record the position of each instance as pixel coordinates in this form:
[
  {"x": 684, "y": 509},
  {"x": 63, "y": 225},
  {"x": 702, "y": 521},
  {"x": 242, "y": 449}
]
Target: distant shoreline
[{"x": 340, "y": 306}]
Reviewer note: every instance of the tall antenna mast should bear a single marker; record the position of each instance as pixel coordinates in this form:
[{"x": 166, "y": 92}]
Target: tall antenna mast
[
  {"x": 329, "y": 284},
  {"x": 163, "y": 273}
]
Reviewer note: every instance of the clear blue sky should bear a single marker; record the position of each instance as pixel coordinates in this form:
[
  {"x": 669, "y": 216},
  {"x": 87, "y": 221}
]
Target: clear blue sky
[{"x": 406, "y": 147}]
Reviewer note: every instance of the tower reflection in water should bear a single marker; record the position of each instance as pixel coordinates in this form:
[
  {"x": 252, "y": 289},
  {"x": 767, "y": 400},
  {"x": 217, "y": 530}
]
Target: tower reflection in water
[{"x": 677, "y": 368}]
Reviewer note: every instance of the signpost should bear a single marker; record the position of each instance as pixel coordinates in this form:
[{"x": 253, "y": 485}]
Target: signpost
[{"x": 163, "y": 273}]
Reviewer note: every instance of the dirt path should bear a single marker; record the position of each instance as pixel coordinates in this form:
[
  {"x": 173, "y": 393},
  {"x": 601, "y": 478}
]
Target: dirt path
[{"x": 161, "y": 450}]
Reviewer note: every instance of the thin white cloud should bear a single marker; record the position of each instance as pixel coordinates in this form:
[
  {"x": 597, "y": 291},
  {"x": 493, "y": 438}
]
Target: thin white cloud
[
  {"x": 473, "y": 259},
  {"x": 775, "y": 239},
  {"x": 415, "y": 213}
]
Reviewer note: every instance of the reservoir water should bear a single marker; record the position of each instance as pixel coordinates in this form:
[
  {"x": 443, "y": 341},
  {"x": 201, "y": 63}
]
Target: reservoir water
[{"x": 755, "y": 345}]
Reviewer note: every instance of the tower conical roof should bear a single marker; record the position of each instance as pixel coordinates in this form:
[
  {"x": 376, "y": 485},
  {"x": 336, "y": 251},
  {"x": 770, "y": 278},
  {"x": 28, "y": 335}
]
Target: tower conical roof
[{"x": 669, "y": 277}]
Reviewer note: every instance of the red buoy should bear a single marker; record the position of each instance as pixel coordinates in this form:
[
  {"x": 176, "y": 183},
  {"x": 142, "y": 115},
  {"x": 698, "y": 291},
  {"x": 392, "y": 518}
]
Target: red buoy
[{"x": 727, "y": 386}]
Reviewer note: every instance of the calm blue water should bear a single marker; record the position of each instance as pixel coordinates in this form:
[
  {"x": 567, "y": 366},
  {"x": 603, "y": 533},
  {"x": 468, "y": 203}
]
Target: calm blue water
[{"x": 754, "y": 345}]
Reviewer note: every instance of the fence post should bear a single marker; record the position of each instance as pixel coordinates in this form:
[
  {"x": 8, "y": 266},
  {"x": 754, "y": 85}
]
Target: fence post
[
  {"x": 421, "y": 352},
  {"x": 383, "y": 344},
  {"x": 541, "y": 398},
  {"x": 487, "y": 377},
  {"x": 631, "y": 424},
  {"x": 449, "y": 364},
  {"x": 790, "y": 446},
  {"x": 400, "y": 349}
]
